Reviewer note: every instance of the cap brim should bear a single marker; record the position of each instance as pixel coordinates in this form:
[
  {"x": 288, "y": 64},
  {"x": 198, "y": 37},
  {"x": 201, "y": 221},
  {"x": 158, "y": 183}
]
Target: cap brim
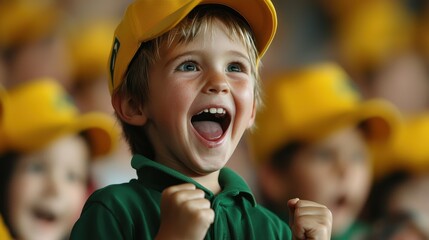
[
  {"x": 378, "y": 118},
  {"x": 101, "y": 132},
  {"x": 409, "y": 149},
  {"x": 37, "y": 114}
]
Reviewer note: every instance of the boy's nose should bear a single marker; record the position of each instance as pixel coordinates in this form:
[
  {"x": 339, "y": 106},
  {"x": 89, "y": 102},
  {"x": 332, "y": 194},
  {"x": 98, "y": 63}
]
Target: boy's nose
[
  {"x": 341, "y": 166},
  {"x": 52, "y": 185},
  {"x": 216, "y": 83}
]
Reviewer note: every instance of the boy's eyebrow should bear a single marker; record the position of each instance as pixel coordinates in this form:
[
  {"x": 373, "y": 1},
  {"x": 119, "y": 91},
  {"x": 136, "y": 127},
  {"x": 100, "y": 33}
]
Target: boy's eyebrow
[
  {"x": 182, "y": 55},
  {"x": 240, "y": 54},
  {"x": 197, "y": 52}
]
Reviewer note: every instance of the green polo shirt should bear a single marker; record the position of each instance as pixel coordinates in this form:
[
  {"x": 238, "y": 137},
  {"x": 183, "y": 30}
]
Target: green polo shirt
[{"x": 132, "y": 210}]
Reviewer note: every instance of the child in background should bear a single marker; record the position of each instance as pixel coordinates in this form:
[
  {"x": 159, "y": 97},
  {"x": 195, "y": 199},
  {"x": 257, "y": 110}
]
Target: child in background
[
  {"x": 184, "y": 84},
  {"x": 397, "y": 206},
  {"x": 45, "y": 148},
  {"x": 313, "y": 140}
]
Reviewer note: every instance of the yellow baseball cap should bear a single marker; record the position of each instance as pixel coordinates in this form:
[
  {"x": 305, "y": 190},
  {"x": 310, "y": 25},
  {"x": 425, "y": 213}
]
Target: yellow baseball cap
[
  {"x": 89, "y": 43},
  {"x": 147, "y": 19},
  {"x": 308, "y": 103},
  {"x": 25, "y": 21},
  {"x": 40, "y": 111},
  {"x": 408, "y": 149}
]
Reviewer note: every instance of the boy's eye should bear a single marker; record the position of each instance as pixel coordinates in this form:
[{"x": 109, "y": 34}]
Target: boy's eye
[
  {"x": 323, "y": 155},
  {"x": 187, "y": 67},
  {"x": 36, "y": 167},
  {"x": 359, "y": 156},
  {"x": 234, "y": 67},
  {"x": 75, "y": 177}
]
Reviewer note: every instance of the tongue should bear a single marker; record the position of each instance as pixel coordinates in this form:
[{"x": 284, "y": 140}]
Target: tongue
[{"x": 208, "y": 129}]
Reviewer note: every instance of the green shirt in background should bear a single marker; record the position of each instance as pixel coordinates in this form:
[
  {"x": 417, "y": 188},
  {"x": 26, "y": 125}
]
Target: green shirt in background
[{"x": 132, "y": 210}]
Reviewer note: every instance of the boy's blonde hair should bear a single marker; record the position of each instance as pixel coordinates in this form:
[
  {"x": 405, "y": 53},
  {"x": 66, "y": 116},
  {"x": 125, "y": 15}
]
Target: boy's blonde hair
[{"x": 199, "y": 20}]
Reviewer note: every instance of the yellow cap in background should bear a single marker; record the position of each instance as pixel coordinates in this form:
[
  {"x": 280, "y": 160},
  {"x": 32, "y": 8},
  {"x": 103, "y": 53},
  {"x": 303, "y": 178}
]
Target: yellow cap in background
[
  {"x": 309, "y": 103},
  {"x": 408, "y": 150},
  {"x": 90, "y": 43},
  {"x": 147, "y": 19},
  {"x": 372, "y": 32},
  {"x": 40, "y": 111},
  {"x": 337, "y": 9},
  {"x": 26, "y": 21},
  {"x": 4, "y": 233}
]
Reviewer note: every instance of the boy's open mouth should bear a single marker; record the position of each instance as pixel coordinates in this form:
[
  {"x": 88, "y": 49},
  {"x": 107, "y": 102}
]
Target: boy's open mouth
[
  {"x": 44, "y": 215},
  {"x": 211, "y": 123}
]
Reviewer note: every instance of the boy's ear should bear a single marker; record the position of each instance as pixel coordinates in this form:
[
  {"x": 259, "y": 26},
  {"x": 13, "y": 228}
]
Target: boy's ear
[
  {"x": 128, "y": 110},
  {"x": 253, "y": 116},
  {"x": 273, "y": 185}
]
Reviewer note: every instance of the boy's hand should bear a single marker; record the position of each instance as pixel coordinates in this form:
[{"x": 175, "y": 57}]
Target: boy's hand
[
  {"x": 185, "y": 213},
  {"x": 309, "y": 220}
]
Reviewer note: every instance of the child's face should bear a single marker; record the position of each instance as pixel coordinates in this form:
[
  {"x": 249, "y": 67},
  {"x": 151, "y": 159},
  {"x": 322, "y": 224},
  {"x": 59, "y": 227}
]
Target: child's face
[
  {"x": 335, "y": 172},
  {"x": 212, "y": 72},
  {"x": 48, "y": 189}
]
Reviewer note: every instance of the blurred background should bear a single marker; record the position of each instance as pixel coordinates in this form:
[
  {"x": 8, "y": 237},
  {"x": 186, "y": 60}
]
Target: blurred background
[{"x": 383, "y": 45}]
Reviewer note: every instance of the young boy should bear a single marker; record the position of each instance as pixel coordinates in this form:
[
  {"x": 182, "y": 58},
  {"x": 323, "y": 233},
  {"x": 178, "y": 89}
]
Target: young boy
[
  {"x": 45, "y": 148},
  {"x": 184, "y": 86},
  {"x": 313, "y": 140}
]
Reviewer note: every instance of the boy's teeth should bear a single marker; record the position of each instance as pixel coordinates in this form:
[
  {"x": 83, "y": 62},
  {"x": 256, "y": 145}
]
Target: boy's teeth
[{"x": 214, "y": 111}]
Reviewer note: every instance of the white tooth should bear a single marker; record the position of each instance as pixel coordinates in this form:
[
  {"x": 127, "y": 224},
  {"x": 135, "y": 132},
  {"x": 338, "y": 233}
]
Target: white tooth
[
  {"x": 220, "y": 110},
  {"x": 213, "y": 110},
  {"x": 224, "y": 111},
  {"x": 206, "y": 110}
]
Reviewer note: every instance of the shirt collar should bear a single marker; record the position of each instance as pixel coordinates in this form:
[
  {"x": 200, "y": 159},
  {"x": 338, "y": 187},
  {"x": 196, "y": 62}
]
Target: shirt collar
[{"x": 148, "y": 170}]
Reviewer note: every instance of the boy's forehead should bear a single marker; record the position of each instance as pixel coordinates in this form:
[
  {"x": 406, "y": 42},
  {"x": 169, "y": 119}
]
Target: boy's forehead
[
  {"x": 147, "y": 19},
  {"x": 197, "y": 38},
  {"x": 70, "y": 150}
]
